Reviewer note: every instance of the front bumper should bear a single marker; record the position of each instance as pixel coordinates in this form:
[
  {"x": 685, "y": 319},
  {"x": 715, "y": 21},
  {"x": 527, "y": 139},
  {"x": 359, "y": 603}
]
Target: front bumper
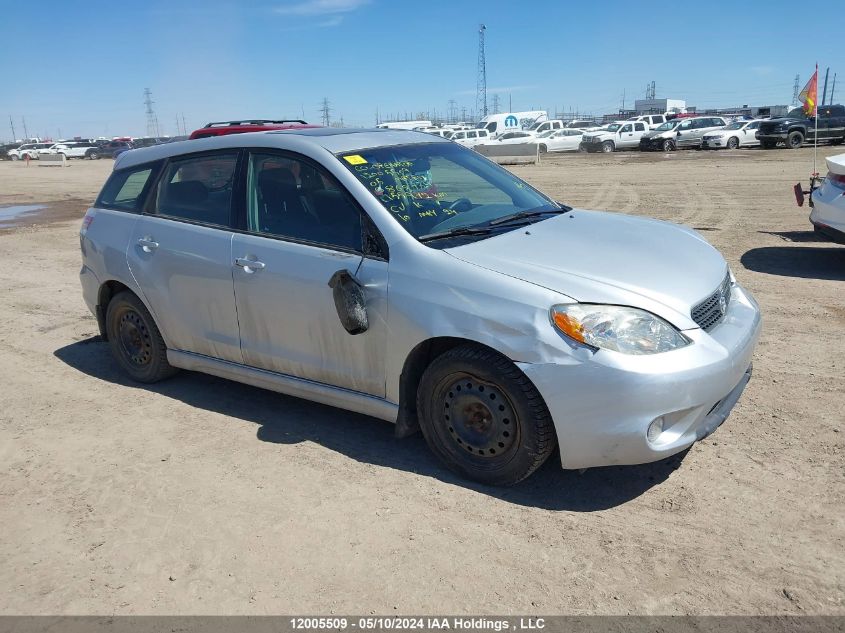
[
  {"x": 713, "y": 143},
  {"x": 602, "y": 407},
  {"x": 649, "y": 144}
]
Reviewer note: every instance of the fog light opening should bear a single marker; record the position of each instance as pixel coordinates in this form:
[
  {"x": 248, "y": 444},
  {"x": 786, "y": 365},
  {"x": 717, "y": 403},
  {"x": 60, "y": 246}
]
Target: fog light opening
[{"x": 655, "y": 429}]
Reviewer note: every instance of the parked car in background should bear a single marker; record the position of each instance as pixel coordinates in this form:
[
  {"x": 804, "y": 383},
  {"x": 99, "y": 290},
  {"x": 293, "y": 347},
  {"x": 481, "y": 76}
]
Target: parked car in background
[
  {"x": 680, "y": 132},
  {"x": 75, "y": 149},
  {"x": 652, "y": 121},
  {"x": 113, "y": 149},
  {"x": 515, "y": 138},
  {"x": 222, "y": 128},
  {"x": 149, "y": 141},
  {"x": 401, "y": 276},
  {"x": 27, "y": 150},
  {"x": 796, "y": 128},
  {"x": 616, "y": 136},
  {"x": 442, "y": 132},
  {"x": 6, "y": 148},
  {"x": 471, "y": 138},
  {"x": 568, "y": 140},
  {"x": 546, "y": 126},
  {"x": 735, "y": 134},
  {"x": 828, "y": 201},
  {"x": 582, "y": 125},
  {"x": 497, "y": 124}
]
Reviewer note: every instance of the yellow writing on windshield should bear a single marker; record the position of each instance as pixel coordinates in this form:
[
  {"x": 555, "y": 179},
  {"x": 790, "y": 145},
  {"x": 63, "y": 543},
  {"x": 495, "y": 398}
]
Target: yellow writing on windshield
[{"x": 355, "y": 159}]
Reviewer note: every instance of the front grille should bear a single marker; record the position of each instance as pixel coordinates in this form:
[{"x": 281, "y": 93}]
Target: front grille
[{"x": 711, "y": 311}]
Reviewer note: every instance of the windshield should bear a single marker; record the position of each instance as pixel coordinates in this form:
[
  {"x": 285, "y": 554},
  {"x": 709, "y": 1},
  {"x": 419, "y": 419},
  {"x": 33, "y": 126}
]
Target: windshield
[
  {"x": 797, "y": 113},
  {"x": 546, "y": 134},
  {"x": 613, "y": 127},
  {"x": 736, "y": 125},
  {"x": 669, "y": 125},
  {"x": 433, "y": 187}
]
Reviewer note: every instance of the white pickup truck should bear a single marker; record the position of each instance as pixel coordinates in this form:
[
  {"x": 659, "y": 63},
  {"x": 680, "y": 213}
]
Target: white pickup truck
[{"x": 618, "y": 135}]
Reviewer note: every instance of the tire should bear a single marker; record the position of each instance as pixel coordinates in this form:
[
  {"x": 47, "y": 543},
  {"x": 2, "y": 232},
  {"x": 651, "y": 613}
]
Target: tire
[
  {"x": 543, "y": 148},
  {"x": 496, "y": 444},
  {"x": 135, "y": 339},
  {"x": 94, "y": 155},
  {"x": 607, "y": 147},
  {"x": 733, "y": 142},
  {"x": 668, "y": 145},
  {"x": 794, "y": 140},
  {"x": 15, "y": 157},
  {"x": 582, "y": 148},
  {"x": 768, "y": 144}
]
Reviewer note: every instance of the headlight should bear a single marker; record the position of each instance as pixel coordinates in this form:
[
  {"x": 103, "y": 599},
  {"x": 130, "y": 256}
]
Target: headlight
[{"x": 617, "y": 328}]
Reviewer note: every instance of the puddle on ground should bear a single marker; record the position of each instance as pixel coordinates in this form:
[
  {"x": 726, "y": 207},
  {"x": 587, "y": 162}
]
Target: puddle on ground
[
  {"x": 15, "y": 216},
  {"x": 18, "y": 214}
]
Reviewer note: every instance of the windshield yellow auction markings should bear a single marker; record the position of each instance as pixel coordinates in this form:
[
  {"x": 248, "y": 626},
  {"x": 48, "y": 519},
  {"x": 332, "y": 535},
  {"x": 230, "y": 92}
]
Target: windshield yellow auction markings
[{"x": 355, "y": 159}]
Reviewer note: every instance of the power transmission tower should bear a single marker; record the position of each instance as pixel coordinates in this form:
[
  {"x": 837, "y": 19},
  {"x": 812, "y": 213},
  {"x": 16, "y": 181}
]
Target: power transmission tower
[
  {"x": 650, "y": 90},
  {"x": 25, "y": 131},
  {"x": 325, "y": 111},
  {"x": 824, "y": 94},
  {"x": 496, "y": 104},
  {"x": 152, "y": 119},
  {"x": 796, "y": 90},
  {"x": 481, "y": 85},
  {"x": 832, "y": 88},
  {"x": 14, "y": 134},
  {"x": 453, "y": 111},
  {"x": 184, "y": 127}
]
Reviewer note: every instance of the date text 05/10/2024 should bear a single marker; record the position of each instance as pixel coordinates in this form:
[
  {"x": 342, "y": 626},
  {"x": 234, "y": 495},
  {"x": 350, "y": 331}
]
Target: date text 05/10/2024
[{"x": 416, "y": 623}]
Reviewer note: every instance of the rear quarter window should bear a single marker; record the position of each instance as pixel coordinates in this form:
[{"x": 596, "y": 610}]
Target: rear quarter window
[{"x": 125, "y": 189}]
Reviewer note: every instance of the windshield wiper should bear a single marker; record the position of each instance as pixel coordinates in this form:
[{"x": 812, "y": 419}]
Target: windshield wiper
[
  {"x": 521, "y": 215},
  {"x": 457, "y": 231}
]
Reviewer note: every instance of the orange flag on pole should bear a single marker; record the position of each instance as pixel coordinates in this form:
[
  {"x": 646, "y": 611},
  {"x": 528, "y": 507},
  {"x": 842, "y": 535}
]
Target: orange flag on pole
[{"x": 809, "y": 95}]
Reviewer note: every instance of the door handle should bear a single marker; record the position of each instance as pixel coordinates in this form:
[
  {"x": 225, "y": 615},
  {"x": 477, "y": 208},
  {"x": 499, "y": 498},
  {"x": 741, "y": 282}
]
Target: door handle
[
  {"x": 249, "y": 265},
  {"x": 147, "y": 244}
]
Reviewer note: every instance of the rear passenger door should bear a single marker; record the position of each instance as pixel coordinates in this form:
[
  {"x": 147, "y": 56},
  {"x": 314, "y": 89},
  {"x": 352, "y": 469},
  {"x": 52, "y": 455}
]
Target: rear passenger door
[
  {"x": 301, "y": 227},
  {"x": 181, "y": 256}
]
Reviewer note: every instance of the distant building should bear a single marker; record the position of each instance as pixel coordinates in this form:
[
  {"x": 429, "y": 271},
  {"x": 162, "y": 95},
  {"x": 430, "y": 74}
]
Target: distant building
[{"x": 659, "y": 106}]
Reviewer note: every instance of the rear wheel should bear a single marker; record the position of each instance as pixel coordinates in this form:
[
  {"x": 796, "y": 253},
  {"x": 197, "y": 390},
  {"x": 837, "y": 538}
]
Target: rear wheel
[
  {"x": 483, "y": 417},
  {"x": 733, "y": 142},
  {"x": 668, "y": 146},
  {"x": 135, "y": 340},
  {"x": 794, "y": 140},
  {"x": 607, "y": 146}
]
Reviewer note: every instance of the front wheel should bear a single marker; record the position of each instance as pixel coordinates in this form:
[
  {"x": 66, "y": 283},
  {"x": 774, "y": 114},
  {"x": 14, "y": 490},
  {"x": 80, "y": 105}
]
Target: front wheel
[
  {"x": 135, "y": 339},
  {"x": 668, "y": 145},
  {"x": 794, "y": 140},
  {"x": 15, "y": 157},
  {"x": 483, "y": 417},
  {"x": 733, "y": 142},
  {"x": 543, "y": 148},
  {"x": 607, "y": 147},
  {"x": 94, "y": 155}
]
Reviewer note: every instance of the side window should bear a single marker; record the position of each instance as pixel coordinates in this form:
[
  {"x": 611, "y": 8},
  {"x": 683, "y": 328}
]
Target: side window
[
  {"x": 472, "y": 134},
  {"x": 492, "y": 127},
  {"x": 685, "y": 125},
  {"x": 639, "y": 127},
  {"x": 459, "y": 135},
  {"x": 198, "y": 189},
  {"x": 753, "y": 126},
  {"x": 123, "y": 190},
  {"x": 289, "y": 197},
  {"x": 626, "y": 128}
]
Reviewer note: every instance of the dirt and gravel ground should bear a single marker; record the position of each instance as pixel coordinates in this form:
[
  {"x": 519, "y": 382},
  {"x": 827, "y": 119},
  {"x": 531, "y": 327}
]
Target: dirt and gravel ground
[{"x": 204, "y": 496}]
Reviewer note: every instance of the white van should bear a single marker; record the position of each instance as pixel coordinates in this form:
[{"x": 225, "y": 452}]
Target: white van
[
  {"x": 497, "y": 124},
  {"x": 652, "y": 121}
]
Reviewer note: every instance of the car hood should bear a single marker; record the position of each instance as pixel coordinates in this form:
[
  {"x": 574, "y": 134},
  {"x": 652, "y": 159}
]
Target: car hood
[
  {"x": 602, "y": 257},
  {"x": 655, "y": 133}
]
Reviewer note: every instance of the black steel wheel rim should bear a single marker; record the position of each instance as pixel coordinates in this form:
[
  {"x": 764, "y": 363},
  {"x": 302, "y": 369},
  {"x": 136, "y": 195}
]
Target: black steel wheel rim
[
  {"x": 476, "y": 418},
  {"x": 134, "y": 337}
]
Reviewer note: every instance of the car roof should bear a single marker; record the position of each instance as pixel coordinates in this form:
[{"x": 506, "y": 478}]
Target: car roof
[{"x": 335, "y": 140}]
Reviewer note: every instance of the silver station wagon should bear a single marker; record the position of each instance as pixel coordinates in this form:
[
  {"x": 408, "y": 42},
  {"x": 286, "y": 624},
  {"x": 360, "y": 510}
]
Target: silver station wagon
[{"x": 403, "y": 276}]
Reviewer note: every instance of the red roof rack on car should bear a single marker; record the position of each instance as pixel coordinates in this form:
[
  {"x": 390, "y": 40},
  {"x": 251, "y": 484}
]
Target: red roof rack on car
[{"x": 220, "y": 128}]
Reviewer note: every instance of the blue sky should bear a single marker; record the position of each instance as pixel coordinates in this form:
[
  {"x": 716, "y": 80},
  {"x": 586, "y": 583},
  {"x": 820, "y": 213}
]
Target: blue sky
[{"x": 87, "y": 63}]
